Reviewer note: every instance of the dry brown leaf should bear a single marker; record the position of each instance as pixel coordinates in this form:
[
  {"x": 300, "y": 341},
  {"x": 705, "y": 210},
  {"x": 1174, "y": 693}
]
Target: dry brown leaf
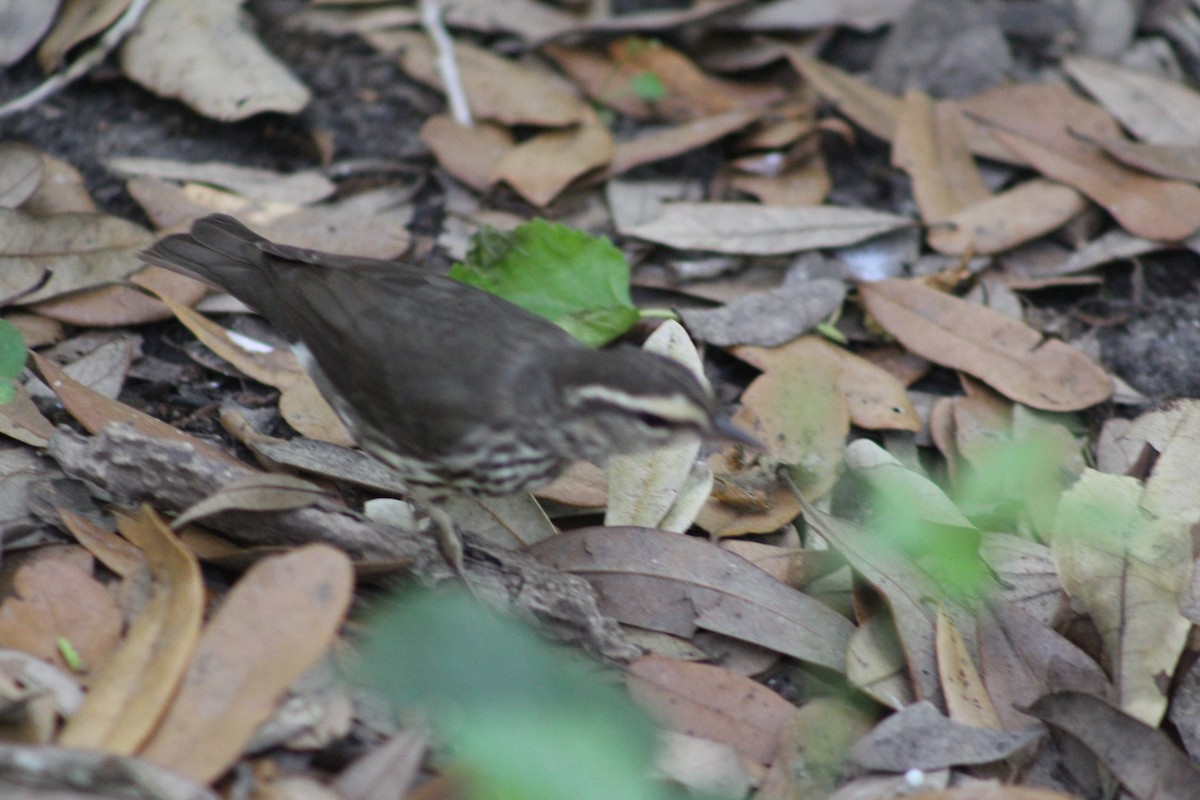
[
  {"x": 541, "y": 167},
  {"x": 24, "y": 24},
  {"x": 583, "y": 485},
  {"x": 978, "y": 791},
  {"x": 213, "y": 64},
  {"x": 124, "y": 305},
  {"x": 1015, "y": 216},
  {"x": 499, "y": 89},
  {"x": 55, "y": 599},
  {"x": 1002, "y": 352},
  {"x": 1179, "y": 162},
  {"x": 272, "y": 491},
  {"x": 768, "y": 318},
  {"x": 813, "y": 749},
  {"x": 712, "y": 703},
  {"x": 1153, "y": 208},
  {"x": 469, "y": 154},
  {"x": 112, "y": 551},
  {"x": 43, "y": 257},
  {"x": 1127, "y": 569},
  {"x": 95, "y": 412},
  {"x": 966, "y": 699},
  {"x": 275, "y": 623},
  {"x": 1142, "y": 757},
  {"x": 870, "y": 108},
  {"x": 300, "y": 402},
  {"x": 663, "y": 143},
  {"x": 929, "y": 145},
  {"x": 1157, "y": 109},
  {"x": 640, "y": 575},
  {"x": 21, "y": 419},
  {"x": 131, "y": 693},
  {"x": 752, "y": 229}
]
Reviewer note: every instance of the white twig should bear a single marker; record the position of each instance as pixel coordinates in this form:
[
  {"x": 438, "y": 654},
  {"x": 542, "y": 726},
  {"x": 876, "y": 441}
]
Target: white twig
[
  {"x": 456, "y": 96},
  {"x": 56, "y": 82}
]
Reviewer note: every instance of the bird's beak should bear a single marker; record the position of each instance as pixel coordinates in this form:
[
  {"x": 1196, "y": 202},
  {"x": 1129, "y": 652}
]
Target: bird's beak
[{"x": 723, "y": 430}]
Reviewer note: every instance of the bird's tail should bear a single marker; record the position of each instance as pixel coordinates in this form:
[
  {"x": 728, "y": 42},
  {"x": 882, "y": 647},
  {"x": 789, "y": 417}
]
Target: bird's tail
[{"x": 220, "y": 251}]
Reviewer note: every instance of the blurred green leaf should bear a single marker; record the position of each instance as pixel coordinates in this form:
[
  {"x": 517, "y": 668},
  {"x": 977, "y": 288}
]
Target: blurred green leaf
[
  {"x": 578, "y": 281},
  {"x": 648, "y": 87},
  {"x": 12, "y": 359},
  {"x": 522, "y": 718}
]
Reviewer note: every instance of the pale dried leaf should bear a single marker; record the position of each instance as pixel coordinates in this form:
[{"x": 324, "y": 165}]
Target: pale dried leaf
[
  {"x": 24, "y": 24},
  {"x": 875, "y": 663},
  {"x": 541, "y": 167},
  {"x": 296, "y": 188},
  {"x": 752, "y": 229},
  {"x": 929, "y": 145},
  {"x": 967, "y": 701},
  {"x": 80, "y": 20},
  {"x": 271, "y": 491},
  {"x": 213, "y": 63},
  {"x": 667, "y": 142},
  {"x": 769, "y": 318},
  {"x": 21, "y": 170},
  {"x": 1156, "y": 109},
  {"x": 43, "y": 257},
  {"x": 1126, "y": 568},
  {"x": 1025, "y": 212},
  {"x": 469, "y": 154}
]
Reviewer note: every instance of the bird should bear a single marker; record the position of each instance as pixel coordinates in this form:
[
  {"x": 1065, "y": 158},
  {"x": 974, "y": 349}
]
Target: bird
[{"x": 454, "y": 389}]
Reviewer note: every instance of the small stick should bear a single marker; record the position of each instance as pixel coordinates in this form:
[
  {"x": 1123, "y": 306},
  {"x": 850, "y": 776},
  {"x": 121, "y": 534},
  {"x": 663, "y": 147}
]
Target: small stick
[{"x": 456, "y": 96}]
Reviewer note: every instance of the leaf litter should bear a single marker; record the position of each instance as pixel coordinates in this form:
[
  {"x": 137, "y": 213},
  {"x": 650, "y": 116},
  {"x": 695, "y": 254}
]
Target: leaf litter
[{"x": 1005, "y": 179}]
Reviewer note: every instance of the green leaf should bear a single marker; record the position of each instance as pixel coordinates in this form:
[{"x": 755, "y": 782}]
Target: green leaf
[
  {"x": 648, "y": 87},
  {"x": 12, "y": 359},
  {"x": 521, "y": 717},
  {"x": 577, "y": 281}
]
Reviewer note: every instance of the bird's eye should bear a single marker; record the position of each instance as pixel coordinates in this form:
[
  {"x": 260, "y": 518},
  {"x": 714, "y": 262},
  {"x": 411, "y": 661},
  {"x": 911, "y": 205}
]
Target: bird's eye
[{"x": 653, "y": 420}]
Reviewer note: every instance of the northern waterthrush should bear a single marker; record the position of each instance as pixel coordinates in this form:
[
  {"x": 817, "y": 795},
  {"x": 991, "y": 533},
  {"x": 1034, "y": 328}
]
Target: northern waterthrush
[{"x": 455, "y": 389}]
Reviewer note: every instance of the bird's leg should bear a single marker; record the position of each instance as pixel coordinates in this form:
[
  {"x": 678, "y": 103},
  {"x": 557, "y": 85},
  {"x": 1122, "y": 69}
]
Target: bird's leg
[{"x": 448, "y": 541}]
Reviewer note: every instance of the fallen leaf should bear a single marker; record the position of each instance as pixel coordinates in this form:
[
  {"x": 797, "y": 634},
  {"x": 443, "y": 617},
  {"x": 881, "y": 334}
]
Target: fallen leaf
[
  {"x": 1153, "y": 208},
  {"x": 469, "y": 154},
  {"x": 769, "y": 318},
  {"x": 24, "y": 25},
  {"x": 667, "y": 142},
  {"x": 541, "y": 167},
  {"x": 712, "y": 703},
  {"x": 919, "y": 737},
  {"x": 119, "y": 555},
  {"x": 872, "y": 109},
  {"x": 77, "y": 22},
  {"x": 639, "y": 575},
  {"x": 752, "y": 229},
  {"x": 499, "y": 89},
  {"x": 213, "y": 64},
  {"x": 124, "y": 305},
  {"x": 1002, "y": 352},
  {"x": 272, "y": 626},
  {"x": 1018, "y": 215},
  {"x": 61, "y": 191},
  {"x": 55, "y": 600},
  {"x": 131, "y": 692},
  {"x": 296, "y": 188},
  {"x": 814, "y": 748},
  {"x": 967, "y": 701},
  {"x": 1156, "y": 109},
  {"x": 929, "y": 145},
  {"x": 270, "y": 491},
  {"x": 21, "y": 170},
  {"x": 875, "y": 663},
  {"x": 1141, "y": 757},
  {"x": 807, "y": 184},
  {"x": 1126, "y": 568},
  {"x": 43, "y": 257}
]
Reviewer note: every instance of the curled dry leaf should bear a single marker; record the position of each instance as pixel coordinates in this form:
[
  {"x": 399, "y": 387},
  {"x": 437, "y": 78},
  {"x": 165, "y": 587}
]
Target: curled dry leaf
[
  {"x": 643, "y": 488},
  {"x": 712, "y": 703},
  {"x": 213, "y": 64},
  {"x": 270, "y": 491},
  {"x": 131, "y": 693},
  {"x": 1002, "y": 352},
  {"x": 753, "y": 229},
  {"x": 1003, "y": 221},
  {"x": 640, "y": 574},
  {"x": 296, "y": 188},
  {"x": 43, "y": 257},
  {"x": 273, "y": 626},
  {"x": 78, "y": 22}
]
